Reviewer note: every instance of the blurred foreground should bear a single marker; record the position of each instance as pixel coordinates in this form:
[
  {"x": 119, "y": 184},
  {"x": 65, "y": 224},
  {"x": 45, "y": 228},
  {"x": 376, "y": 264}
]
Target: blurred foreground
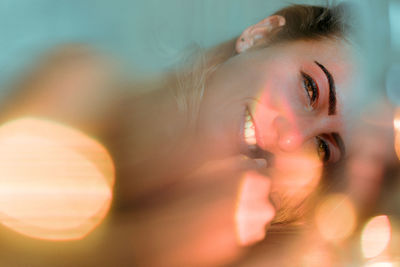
[{"x": 62, "y": 207}]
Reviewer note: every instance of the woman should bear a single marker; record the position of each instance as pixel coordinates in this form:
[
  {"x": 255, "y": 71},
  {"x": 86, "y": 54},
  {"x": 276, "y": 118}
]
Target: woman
[{"x": 276, "y": 95}]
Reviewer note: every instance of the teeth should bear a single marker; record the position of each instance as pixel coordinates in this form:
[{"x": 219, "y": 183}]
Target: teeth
[{"x": 249, "y": 130}]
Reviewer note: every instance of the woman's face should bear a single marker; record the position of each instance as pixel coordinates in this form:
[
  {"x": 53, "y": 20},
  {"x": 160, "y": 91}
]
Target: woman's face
[
  {"x": 287, "y": 104},
  {"x": 293, "y": 94}
]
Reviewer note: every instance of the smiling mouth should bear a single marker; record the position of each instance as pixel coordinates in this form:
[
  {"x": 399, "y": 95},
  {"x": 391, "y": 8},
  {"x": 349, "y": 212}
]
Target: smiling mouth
[
  {"x": 249, "y": 130},
  {"x": 250, "y": 146}
]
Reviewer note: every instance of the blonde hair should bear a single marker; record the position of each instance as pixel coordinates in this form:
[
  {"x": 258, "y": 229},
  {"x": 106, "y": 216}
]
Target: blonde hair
[
  {"x": 190, "y": 79},
  {"x": 303, "y": 22}
]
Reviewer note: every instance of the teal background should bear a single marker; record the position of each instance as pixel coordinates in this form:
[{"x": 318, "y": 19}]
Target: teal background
[{"x": 150, "y": 35}]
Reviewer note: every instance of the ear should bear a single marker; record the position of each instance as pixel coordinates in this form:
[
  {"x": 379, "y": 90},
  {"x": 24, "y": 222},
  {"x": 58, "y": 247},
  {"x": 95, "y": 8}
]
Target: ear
[{"x": 259, "y": 31}]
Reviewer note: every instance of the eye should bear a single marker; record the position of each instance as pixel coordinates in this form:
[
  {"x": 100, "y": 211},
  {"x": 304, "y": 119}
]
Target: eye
[
  {"x": 311, "y": 88},
  {"x": 323, "y": 150}
]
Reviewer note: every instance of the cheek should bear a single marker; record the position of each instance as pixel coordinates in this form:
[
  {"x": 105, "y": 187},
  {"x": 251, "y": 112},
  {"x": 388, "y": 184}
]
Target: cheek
[
  {"x": 282, "y": 89},
  {"x": 280, "y": 97},
  {"x": 295, "y": 177}
]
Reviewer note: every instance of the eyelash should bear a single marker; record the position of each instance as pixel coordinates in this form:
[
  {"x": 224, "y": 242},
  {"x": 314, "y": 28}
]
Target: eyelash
[
  {"x": 324, "y": 153},
  {"x": 312, "y": 90}
]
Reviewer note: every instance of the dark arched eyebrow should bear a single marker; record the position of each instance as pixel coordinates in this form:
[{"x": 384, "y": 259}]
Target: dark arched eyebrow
[{"x": 332, "y": 89}]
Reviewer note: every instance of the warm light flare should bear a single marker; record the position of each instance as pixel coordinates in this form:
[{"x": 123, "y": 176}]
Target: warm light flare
[
  {"x": 376, "y": 236},
  {"x": 55, "y": 182},
  {"x": 317, "y": 256},
  {"x": 253, "y": 211},
  {"x": 336, "y": 217},
  {"x": 297, "y": 176},
  {"x": 379, "y": 264},
  {"x": 396, "y": 123}
]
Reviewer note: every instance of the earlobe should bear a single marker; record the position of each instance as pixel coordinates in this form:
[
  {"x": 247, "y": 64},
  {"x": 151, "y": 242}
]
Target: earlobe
[{"x": 258, "y": 32}]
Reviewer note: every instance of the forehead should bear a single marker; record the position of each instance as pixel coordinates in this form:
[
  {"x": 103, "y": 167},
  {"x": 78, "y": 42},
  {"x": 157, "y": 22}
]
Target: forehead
[{"x": 333, "y": 52}]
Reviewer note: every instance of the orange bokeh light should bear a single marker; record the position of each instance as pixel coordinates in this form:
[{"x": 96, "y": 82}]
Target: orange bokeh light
[
  {"x": 376, "y": 236},
  {"x": 55, "y": 182},
  {"x": 396, "y": 124},
  {"x": 379, "y": 264},
  {"x": 296, "y": 176},
  {"x": 336, "y": 217},
  {"x": 316, "y": 254}
]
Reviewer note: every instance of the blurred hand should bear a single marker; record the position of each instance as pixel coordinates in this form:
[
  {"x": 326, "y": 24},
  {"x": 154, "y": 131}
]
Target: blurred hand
[{"x": 207, "y": 217}]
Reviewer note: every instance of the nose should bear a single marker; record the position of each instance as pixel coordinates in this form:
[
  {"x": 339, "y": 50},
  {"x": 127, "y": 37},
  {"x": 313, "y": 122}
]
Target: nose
[{"x": 289, "y": 135}]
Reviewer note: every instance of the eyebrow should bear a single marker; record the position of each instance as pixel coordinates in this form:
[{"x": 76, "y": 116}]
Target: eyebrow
[
  {"x": 340, "y": 144},
  {"x": 332, "y": 89}
]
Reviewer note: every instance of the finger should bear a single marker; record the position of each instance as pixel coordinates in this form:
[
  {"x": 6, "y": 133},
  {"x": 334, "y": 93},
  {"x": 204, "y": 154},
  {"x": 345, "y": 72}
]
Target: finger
[{"x": 254, "y": 210}]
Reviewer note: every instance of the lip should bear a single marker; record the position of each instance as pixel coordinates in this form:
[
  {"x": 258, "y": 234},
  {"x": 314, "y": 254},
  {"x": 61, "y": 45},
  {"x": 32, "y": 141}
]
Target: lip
[{"x": 244, "y": 147}]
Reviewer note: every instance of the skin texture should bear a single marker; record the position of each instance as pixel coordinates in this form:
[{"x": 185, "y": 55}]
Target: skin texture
[{"x": 269, "y": 82}]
